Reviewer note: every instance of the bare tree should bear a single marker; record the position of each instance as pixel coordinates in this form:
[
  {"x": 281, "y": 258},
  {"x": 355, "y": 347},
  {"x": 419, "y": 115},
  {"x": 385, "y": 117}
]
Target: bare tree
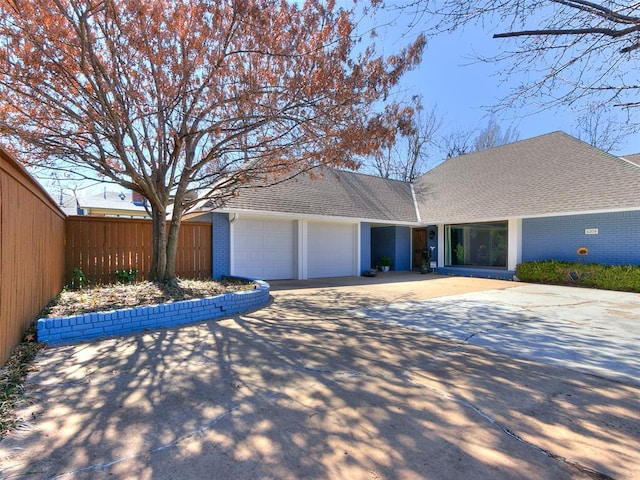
[
  {"x": 492, "y": 135},
  {"x": 596, "y": 128},
  {"x": 456, "y": 143},
  {"x": 578, "y": 52},
  {"x": 419, "y": 140},
  {"x": 459, "y": 142},
  {"x": 406, "y": 153}
]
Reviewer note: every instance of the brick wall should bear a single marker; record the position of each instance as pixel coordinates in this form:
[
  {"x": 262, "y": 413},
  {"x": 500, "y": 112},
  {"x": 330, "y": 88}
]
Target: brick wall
[
  {"x": 617, "y": 241},
  {"x": 221, "y": 252},
  {"x": 104, "y": 324}
]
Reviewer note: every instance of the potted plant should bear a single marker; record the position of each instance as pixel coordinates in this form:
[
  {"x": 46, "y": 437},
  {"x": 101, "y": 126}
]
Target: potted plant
[
  {"x": 384, "y": 263},
  {"x": 424, "y": 268},
  {"x": 427, "y": 255}
]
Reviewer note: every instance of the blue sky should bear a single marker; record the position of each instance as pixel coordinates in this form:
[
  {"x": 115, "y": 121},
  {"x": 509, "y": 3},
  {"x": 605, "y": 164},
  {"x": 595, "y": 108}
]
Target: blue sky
[{"x": 451, "y": 78}]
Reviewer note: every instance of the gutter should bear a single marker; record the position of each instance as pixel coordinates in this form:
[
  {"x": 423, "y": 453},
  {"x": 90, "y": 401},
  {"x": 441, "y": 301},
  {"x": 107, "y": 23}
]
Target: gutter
[
  {"x": 415, "y": 203},
  {"x": 629, "y": 162}
]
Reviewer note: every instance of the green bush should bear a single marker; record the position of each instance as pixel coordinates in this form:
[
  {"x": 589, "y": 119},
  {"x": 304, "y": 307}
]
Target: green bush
[
  {"x": 384, "y": 262},
  {"x": 78, "y": 280},
  {"x": 624, "y": 278},
  {"x": 126, "y": 276}
]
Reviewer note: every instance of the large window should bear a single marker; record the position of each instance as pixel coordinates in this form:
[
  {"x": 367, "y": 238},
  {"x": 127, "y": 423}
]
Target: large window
[{"x": 476, "y": 245}]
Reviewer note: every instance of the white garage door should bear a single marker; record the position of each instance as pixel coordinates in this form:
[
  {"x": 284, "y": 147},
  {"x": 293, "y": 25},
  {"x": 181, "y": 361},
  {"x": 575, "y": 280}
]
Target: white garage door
[
  {"x": 264, "y": 248},
  {"x": 331, "y": 249}
]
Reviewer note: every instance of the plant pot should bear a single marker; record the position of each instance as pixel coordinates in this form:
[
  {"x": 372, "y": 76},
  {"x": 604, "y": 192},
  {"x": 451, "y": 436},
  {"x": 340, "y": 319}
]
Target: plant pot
[{"x": 385, "y": 268}]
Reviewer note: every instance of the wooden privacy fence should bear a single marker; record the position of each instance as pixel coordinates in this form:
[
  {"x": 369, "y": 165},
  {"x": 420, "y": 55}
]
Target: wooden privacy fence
[
  {"x": 100, "y": 246},
  {"x": 31, "y": 252},
  {"x": 40, "y": 247}
]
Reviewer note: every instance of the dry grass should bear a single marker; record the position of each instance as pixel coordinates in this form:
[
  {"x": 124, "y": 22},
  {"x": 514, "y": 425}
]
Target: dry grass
[
  {"x": 12, "y": 376},
  {"x": 116, "y": 297}
]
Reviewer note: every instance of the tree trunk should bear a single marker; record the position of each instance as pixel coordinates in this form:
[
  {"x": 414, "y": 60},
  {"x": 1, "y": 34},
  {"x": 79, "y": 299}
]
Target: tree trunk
[
  {"x": 171, "y": 249},
  {"x": 158, "y": 271},
  {"x": 165, "y": 246}
]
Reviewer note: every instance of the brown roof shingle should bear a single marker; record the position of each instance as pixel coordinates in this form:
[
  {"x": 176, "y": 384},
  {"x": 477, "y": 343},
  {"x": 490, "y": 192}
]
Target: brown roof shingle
[
  {"x": 553, "y": 174},
  {"x": 550, "y": 174},
  {"x": 332, "y": 193}
]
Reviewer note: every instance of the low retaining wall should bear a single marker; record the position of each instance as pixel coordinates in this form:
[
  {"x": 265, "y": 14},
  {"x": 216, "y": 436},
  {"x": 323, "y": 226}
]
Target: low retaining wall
[{"x": 131, "y": 320}]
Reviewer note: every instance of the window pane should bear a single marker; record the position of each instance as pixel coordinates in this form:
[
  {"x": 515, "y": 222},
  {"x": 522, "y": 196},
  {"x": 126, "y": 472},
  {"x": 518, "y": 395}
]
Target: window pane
[{"x": 476, "y": 245}]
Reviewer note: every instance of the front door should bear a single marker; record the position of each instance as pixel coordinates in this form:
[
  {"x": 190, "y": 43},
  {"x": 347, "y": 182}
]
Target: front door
[{"x": 419, "y": 246}]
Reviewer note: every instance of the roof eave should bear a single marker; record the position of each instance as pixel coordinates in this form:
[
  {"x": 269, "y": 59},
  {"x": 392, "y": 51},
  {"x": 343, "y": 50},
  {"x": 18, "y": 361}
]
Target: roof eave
[{"x": 294, "y": 215}]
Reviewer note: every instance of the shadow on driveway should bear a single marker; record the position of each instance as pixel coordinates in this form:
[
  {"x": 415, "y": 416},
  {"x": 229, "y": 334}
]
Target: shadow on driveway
[
  {"x": 306, "y": 389},
  {"x": 593, "y": 331}
]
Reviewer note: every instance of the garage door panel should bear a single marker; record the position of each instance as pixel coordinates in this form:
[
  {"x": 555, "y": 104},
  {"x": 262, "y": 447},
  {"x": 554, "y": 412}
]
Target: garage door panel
[
  {"x": 332, "y": 249},
  {"x": 264, "y": 248}
]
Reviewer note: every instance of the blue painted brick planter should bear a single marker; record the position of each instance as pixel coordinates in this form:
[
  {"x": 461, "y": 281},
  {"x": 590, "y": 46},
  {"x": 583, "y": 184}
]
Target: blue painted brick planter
[{"x": 132, "y": 320}]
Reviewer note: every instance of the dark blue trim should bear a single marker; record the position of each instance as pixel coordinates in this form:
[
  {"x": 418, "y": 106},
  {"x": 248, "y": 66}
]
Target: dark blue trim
[{"x": 477, "y": 272}]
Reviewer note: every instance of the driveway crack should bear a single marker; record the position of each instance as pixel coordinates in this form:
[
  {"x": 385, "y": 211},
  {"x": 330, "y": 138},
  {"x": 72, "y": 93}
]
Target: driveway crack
[
  {"x": 594, "y": 474},
  {"x": 578, "y": 466},
  {"x": 403, "y": 376},
  {"x": 497, "y": 327}
]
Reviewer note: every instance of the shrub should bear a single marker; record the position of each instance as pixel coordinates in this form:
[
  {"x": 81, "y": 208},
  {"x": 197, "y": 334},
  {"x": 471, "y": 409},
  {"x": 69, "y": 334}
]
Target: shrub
[
  {"x": 126, "y": 276},
  {"x": 78, "y": 280},
  {"x": 624, "y": 278},
  {"x": 384, "y": 262}
]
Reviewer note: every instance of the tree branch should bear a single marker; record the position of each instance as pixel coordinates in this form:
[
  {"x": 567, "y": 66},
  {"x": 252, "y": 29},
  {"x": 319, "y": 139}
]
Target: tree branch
[
  {"x": 598, "y": 10},
  {"x": 570, "y": 31}
]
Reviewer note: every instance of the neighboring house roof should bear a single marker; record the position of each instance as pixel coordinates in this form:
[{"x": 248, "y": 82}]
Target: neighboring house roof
[
  {"x": 335, "y": 193},
  {"x": 111, "y": 204},
  {"x": 546, "y": 175},
  {"x": 67, "y": 203}
]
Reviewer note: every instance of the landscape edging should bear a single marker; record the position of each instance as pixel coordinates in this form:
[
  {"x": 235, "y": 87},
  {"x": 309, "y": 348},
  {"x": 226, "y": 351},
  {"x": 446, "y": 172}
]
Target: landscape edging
[{"x": 57, "y": 330}]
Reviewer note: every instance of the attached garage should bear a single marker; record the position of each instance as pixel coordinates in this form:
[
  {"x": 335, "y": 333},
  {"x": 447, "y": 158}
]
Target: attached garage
[
  {"x": 316, "y": 224},
  {"x": 263, "y": 248},
  {"x": 332, "y": 249},
  {"x": 273, "y": 248}
]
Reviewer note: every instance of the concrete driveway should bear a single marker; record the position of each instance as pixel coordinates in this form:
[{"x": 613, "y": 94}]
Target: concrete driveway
[
  {"x": 336, "y": 382},
  {"x": 594, "y": 331}
]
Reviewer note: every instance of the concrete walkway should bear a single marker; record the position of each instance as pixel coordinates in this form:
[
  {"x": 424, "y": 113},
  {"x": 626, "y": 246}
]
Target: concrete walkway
[{"x": 319, "y": 385}]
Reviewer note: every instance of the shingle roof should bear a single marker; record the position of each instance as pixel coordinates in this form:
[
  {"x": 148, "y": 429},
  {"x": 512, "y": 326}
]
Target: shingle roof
[
  {"x": 635, "y": 158},
  {"x": 553, "y": 174},
  {"x": 110, "y": 200},
  {"x": 550, "y": 174},
  {"x": 333, "y": 193}
]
